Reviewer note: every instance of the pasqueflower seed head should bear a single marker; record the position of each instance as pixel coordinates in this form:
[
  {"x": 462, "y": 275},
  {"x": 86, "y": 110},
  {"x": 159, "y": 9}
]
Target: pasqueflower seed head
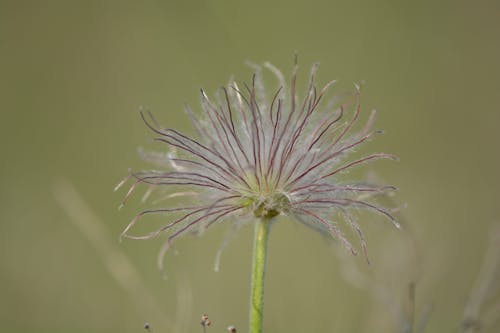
[{"x": 261, "y": 157}]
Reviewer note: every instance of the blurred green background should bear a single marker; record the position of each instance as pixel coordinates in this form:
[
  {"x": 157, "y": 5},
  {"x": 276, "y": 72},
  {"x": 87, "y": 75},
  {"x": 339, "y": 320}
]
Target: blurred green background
[{"x": 72, "y": 77}]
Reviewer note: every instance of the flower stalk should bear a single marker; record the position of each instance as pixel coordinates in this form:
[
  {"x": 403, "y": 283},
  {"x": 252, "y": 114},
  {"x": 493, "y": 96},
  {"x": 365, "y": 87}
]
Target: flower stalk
[{"x": 258, "y": 274}]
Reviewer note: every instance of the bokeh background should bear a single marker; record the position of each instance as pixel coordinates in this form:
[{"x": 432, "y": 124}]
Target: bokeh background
[{"x": 72, "y": 77}]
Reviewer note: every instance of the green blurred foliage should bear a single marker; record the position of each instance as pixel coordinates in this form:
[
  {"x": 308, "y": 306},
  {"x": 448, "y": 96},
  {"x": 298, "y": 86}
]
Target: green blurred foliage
[{"x": 73, "y": 75}]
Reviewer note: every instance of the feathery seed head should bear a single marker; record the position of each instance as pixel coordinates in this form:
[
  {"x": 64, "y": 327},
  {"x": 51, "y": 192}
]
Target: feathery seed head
[{"x": 263, "y": 156}]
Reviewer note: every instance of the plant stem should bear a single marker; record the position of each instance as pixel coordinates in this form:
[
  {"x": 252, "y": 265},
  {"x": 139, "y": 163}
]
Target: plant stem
[{"x": 258, "y": 273}]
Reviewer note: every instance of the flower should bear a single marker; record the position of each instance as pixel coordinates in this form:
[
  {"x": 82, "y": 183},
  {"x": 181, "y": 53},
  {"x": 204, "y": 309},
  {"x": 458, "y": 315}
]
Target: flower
[{"x": 258, "y": 157}]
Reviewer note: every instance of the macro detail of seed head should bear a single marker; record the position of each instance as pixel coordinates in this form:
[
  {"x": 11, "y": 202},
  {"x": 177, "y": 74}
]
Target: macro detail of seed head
[{"x": 259, "y": 152}]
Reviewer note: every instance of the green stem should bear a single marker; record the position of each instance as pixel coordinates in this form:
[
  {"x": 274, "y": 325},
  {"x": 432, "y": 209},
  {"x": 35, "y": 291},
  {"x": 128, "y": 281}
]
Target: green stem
[{"x": 258, "y": 273}]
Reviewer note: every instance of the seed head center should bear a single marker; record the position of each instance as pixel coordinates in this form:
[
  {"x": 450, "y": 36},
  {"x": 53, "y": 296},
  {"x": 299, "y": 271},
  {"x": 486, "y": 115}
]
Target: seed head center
[{"x": 270, "y": 205}]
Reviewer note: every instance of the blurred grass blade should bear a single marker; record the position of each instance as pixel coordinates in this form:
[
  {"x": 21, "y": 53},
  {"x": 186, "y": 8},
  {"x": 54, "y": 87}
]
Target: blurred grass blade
[{"x": 117, "y": 264}]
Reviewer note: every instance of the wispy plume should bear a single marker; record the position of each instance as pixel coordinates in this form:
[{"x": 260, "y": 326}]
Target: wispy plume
[{"x": 262, "y": 156}]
